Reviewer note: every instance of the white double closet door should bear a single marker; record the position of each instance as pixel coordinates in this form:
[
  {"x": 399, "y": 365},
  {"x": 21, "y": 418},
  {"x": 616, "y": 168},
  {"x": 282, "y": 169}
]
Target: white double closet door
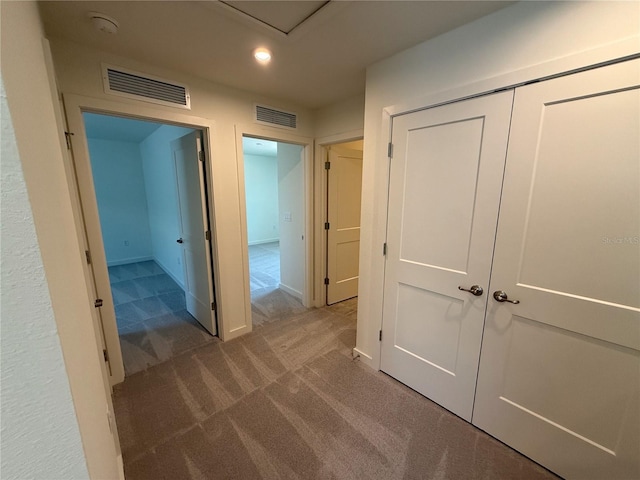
[{"x": 557, "y": 375}]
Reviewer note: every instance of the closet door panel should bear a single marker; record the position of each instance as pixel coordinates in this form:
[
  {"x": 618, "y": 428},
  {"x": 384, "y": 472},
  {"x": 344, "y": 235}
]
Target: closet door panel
[
  {"x": 444, "y": 193},
  {"x": 559, "y": 376}
]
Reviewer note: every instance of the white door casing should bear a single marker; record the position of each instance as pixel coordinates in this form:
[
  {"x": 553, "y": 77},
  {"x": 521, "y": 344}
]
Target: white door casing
[
  {"x": 559, "y": 376},
  {"x": 344, "y": 189},
  {"x": 195, "y": 236},
  {"x": 444, "y": 194}
]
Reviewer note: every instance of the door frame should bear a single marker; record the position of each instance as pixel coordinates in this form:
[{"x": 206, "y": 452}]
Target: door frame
[
  {"x": 368, "y": 346},
  {"x": 75, "y": 106},
  {"x": 320, "y": 185},
  {"x": 277, "y": 135}
]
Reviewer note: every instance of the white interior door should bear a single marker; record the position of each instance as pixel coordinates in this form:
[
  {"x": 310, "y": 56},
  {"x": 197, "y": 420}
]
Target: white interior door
[
  {"x": 195, "y": 238},
  {"x": 344, "y": 181},
  {"x": 559, "y": 376},
  {"x": 444, "y": 193}
]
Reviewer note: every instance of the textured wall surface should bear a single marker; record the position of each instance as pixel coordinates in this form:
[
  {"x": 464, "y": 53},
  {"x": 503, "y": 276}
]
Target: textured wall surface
[{"x": 39, "y": 430}]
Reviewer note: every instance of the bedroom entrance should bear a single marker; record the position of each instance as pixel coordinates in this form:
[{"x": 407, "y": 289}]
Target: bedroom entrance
[
  {"x": 274, "y": 178},
  {"x": 149, "y": 186}
]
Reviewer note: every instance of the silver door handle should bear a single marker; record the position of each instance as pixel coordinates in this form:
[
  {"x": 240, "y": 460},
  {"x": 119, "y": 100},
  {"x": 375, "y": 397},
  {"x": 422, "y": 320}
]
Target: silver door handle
[
  {"x": 474, "y": 290},
  {"x": 501, "y": 296},
  {"x": 179, "y": 240}
]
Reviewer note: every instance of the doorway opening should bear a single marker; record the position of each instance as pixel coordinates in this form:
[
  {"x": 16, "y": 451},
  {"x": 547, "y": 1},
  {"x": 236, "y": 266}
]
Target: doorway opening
[
  {"x": 343, "y": 167},
  {"x": 150, "y": 188},
  {"x": 274, "y": 175}
]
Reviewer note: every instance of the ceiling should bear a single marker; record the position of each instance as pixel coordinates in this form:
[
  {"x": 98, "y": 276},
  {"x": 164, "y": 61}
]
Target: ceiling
[
  {"x": 258, "y": 146},
  {"x": 106, "y": 127},
  {"x": 320, "y": 48}
]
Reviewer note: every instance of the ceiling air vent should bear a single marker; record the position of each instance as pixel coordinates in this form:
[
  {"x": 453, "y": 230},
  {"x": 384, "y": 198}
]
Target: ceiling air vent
[
  {"x": 126, "y": 83},
  {"x": 271, "y": 116}
]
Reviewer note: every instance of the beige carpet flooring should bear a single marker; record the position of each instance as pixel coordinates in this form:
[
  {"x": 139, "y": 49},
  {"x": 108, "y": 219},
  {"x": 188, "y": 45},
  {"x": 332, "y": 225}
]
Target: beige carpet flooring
[
  {"x": 287, "y": 401},
  {"x": 153, "y": 323}
]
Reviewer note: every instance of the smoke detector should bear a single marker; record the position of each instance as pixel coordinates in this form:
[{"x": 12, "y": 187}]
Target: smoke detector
[{"x": 104, "y": 23}]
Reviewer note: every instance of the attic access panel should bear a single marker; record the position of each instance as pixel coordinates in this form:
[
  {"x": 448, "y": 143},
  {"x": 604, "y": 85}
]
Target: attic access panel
[{"x": 283, "y": 16}]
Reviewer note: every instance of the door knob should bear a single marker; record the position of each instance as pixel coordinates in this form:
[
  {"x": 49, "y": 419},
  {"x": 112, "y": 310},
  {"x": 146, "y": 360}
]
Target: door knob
[
  {"x": 474, "y": 290},
  {"x": 501, "y": 296},
  {"x": 179, "y": 240}
]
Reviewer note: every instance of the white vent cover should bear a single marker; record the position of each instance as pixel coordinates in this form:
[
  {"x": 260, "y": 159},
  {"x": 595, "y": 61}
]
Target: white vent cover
[
  {"x": 140, "y": 86},
  {"x": 271, "y": 116}
]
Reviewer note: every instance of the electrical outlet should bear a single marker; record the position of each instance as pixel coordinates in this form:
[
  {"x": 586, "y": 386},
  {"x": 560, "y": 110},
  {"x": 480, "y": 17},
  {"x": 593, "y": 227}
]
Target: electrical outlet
[{"x": 287, "y": 216}]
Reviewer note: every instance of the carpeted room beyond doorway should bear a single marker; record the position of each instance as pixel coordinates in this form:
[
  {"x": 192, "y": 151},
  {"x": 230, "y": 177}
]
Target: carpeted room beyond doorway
[{"x": 288, "y": 401}]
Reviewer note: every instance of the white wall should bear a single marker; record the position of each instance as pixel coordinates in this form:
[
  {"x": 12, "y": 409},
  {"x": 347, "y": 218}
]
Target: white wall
[
  {"x": 79, "y": 71},
  {"x": 122, "y": 201},
  {"x": 291, "y": 205},
  {"x": 495, "y": 49},
  {"x": 40, "y": 432},
  {"x": 39, "y": 426},
  {"x": 162, "y": 198},
  {"x": 261, "y": 187}
]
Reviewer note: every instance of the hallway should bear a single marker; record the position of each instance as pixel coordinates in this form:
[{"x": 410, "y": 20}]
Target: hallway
[{"x": 287, "y": 401}]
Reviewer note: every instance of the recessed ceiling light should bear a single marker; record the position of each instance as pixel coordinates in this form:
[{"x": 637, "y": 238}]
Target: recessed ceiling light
[{"x": 262, "y": 55}]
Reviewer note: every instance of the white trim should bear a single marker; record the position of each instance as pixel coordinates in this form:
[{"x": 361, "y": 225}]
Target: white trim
[
  {"x": 168, "y": 272},
  {"x": 320, "y": 202},
  {"x": 290, "y": 291},
  {"x": 278, "y": 135},
  {"x": 75, "y": 105},
  {"x": 127, "y": 261},
  {"x": 364, "y": 358},
  {"x": 262, "y": 242},
  {"x": 565, "y": 65}
]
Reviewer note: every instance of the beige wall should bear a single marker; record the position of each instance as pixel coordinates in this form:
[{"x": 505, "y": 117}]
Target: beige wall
[
  {"x": 79, "y": 72},
  {"x": 344, "y": 116},
  {"x": 525, "y": 41},
  {"x": 46, "y": 447}
]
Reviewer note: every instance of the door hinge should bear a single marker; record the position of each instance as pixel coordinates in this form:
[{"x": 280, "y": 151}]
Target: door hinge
[
  {"x": 201, "y": 155},
  {"x": 390, "y": 150},
  {"x": 327, "y": 225},
  {"x": 207, "y": 235},
  {"x": 213, "y": 306},
  {"x": 384, "y": 249},
  {"x": 98, "y": 303},
  {"x": 327, "y": 165},
  {"x": 67, "y": 137},
  {"x": 87, "y": 254},
  {"x": 105, "y": 354},
  {"x": 380, "y": 336},
  {"x": 326, "y": 281}
]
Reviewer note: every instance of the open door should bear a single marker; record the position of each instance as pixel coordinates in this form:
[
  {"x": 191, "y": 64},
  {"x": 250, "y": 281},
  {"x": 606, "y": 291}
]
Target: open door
[
  {"x": 344, "y": 182},
  {"x": 195, "y": 237}
]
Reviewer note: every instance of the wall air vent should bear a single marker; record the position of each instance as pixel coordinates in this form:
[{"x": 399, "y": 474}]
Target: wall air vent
[
  {"x": 139, "y": 86},
  {"x": 273, "y": 117}
]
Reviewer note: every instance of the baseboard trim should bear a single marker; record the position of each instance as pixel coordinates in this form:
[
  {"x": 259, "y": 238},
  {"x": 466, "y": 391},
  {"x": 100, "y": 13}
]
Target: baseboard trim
[
  {"x": 127, "y": 261},
  {"x": 364, "y": 358},
  {"x": 168, "y": 272},
  {"x": 290, "y": 291},
  {"x": 260, "y": 242}
]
